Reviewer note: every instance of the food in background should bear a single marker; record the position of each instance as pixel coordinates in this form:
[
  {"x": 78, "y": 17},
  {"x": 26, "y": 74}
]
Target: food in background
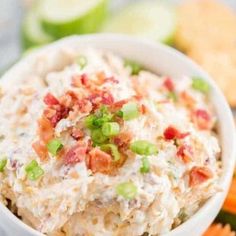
[
  {"x": 149, "y": 19},
  {"x": 33, "y": 34},
  {"x": 62, "y": 17},
  {"x": 219, "y": 230},
  {"x": 48, "y": 20},
  {"x": 206, "y": 32},
  {"x": 228, "y": 213}
]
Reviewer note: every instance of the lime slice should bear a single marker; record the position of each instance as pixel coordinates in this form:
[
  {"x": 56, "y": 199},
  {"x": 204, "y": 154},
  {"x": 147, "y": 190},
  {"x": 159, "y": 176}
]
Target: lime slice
[
  {"x": 66, "y": 17},
  {"x": 151, "y": 19},
  {"x": 32, "y": 32}
]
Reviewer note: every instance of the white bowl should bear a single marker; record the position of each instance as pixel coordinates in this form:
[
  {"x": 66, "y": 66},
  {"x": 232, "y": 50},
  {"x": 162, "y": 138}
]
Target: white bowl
[{"x": 162, "y": 60}]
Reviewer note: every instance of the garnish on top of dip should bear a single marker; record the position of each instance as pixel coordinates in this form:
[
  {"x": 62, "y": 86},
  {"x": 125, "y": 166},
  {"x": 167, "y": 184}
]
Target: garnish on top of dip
[{"x": 100, "y": 146}]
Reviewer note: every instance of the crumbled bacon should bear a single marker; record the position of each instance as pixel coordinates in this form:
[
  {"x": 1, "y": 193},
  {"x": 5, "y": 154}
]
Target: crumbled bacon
[
  {"x": 107, "y": 98},
  {"x": 99, "y": 161},
  {"x": 187, "y": 99},
  {"x": 69, "y": 99},
  {"x": 123, "y": 139},
  {"x": 199, "y": 175},
  {"x": 84, "y": 105},
  {"x": 168, "y": 84},
  {"x": 185, "y": 152},
  {"x": 202, "y": 119},
  {"x": 112, "y": 79},
  {"x": 171, "y": 133},
  {"x": 77, "y": 133},
  {"x": 55, "y": 114},
  {"x": 103, "y": 97},
  {"x": 50, "y": 100},
  {"x": 143, "y": 109},
  {"x": 75, "y": 154},
  {"x": 116, "y": 106},
  {"x": 45, "y": 129},
  {"x": 41, "y": 150}
]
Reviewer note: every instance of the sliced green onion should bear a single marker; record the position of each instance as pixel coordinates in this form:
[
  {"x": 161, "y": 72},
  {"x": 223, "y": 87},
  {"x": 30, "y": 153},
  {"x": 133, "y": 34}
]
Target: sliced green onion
[
  {"x": 127, "y": 190},
  {"x": 98, "y": 137},
  {"x": 200, "y": 85},
  {"x": 172, "y": 96},
  {"x": 97, "y": 120},
  {"x": 33, "y": 170},
  {"x": 89, "y": 122},
  {"x": 135, "y": 67},
  {"x": 113, "y": 149},
  {"x": 3, "y": 162},
  {"x": 143, "y": 147},
  {"x": 145, "y": 168},
  {"x": 54, "y": 146},
  {"x": 129, "y": 111},
  {"x": 82, "y": 61},
  {"x": 110, "y": 129}
]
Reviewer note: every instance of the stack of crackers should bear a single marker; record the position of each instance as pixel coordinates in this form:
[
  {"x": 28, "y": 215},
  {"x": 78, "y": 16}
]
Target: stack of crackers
[{"x": 206, "y": 32}]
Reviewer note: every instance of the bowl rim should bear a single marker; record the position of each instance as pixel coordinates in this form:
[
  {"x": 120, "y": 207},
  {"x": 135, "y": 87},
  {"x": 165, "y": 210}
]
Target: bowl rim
[{"x": 225, "y": 178}]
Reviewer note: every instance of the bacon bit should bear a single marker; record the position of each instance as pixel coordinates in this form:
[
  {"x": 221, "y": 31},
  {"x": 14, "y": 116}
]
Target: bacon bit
[
  {"x": 107, "y": 98},
  {"x": 143, "y": 109},
  {"x": 76, "y": 154},
  {"x": 185, "y": 152},
  {"x": 84, "y": 79},
  {"x": 137, "y": 97},
  {"x": 199, "y": 175},
  {"x": 202, "y": 119},
  {"x": 123, "y": 139},
  {"x": 45, "y": 129},
  {"x": 119, "y": 104},
  {"x": 85, "y": 106},
  {"x": 61, "y": 112},
  {"x": 50, "y": 100},
  {"x": 112, "y": 79},
  {"x": 187, "y": 99},
  {"x": 101, "y": 78},
  {"x": 69, "y": 99},
  {"x": 75, "y": 81},
  {"x": 41, "y": 150},
  {"x": 77, "y": 133},
  {"x": 171, "y": 133},
  {"x": 168, "y": 84},
  {"x": 99, "y": 161}
]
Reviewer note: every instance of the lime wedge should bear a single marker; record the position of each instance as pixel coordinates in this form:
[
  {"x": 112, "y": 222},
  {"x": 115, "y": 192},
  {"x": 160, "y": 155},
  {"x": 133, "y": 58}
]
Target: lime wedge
[
  {"x": 66, "y": 17},
  {"x": 32, "y": 32},
  {"x": 150, "y": 19}
]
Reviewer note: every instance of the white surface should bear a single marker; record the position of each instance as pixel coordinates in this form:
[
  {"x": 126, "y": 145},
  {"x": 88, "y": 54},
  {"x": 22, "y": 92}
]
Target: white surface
[{"x": 162, "y": 60}]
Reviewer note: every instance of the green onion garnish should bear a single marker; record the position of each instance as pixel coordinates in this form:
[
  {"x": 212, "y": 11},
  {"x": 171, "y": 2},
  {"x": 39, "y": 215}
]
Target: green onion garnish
[
  {"x": 143, "y": 147},
  {"x": 3, "y": 162},
  {"x": 110, "y": 129},
  {"x": 82, "y": 61},
  {"x": 127, "y": 190},
  {"x": 97, "y": 120},
  {"x": 135, "y": 67},
  {"x": 98, "y": 137},
  {"x": 113, "y": 149},
  {"x": 145, "y": 168},
  {"x": 200, "y": 85},
  {"x": 33, "y": 170},
  {"x": 129, "y": 111},
  {"x": 89, "y": 122},
  {"x": 54, "y": 146}
]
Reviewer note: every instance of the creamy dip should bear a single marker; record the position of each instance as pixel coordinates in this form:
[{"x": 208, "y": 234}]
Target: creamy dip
[{"x": 92, "y": 144}]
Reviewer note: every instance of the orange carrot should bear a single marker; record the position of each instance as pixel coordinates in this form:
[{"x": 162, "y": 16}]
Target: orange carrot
[
  {"x": 219, "y": 230},
  {"x": 230, "y": 202}
]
